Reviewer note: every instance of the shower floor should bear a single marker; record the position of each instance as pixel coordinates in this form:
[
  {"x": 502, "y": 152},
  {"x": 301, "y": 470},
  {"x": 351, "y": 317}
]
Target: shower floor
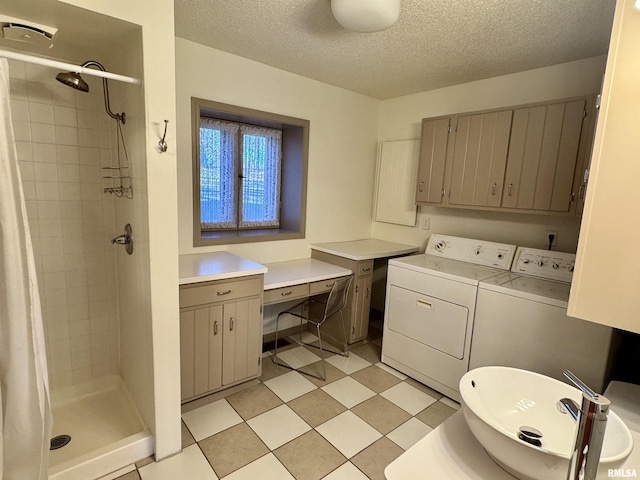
[{"x": 99, "y": 415}]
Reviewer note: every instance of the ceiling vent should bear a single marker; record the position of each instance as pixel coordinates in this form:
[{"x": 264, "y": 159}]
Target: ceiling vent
[{"x": 27, "y": 32}]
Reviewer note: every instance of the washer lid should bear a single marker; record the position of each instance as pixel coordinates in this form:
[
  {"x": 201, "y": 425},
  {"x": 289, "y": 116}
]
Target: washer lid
[
  {"x": 450, "y": 269},
  {"x": 531, "y": 288}
]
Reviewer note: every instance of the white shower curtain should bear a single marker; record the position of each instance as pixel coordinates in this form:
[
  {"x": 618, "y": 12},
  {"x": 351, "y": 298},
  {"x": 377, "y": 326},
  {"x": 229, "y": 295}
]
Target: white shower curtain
[{"x": 25, "y": 412}]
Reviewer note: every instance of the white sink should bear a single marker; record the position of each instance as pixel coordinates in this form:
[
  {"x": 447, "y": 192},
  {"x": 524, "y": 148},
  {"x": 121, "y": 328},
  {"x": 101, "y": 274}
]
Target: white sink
[{"x": 498, "y": 401}]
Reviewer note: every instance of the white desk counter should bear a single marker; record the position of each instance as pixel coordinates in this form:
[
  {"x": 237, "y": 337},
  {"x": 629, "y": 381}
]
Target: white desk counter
[
  {"x": 296, "y": 272},
  {"x": 203, "y": 267},
  {"x": 366, "y": 249},
  {"x": 451, "y": 452}
]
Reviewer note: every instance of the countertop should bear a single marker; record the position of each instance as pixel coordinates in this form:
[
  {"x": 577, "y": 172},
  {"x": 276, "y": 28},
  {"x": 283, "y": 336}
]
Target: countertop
[
  {"x": 203, "y": 267},
  {"x": 365, "y": 249},
  {"x": 295, "y": 272},
  {"x": 451, "y": 452}
]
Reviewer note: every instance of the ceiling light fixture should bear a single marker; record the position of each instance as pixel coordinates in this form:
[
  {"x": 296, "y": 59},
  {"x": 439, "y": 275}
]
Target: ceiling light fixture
[{"x": 366, "y": 15}]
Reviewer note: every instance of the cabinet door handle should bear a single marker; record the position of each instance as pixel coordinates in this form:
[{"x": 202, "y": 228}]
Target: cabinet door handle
[
  {"x": 510, "y": 187},
  {"x": 226, "y": 292},
  {"x": 231, "y": 323},
  {"x": 284, "y": 294},
  {"x": 367, "y": 294},
  {"x": 493, "y": 188},
  {"x": 423, "y": 303},
  {"x": 366, "y": 269},
  {"x": 581, "y": 191},
  {"x": 420, "y": 185},
  {"x": 215, "y": 327}
]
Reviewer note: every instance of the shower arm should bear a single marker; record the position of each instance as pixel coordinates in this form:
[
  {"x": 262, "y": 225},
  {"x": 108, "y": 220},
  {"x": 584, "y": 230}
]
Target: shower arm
[{"x": 120, "y": 117}]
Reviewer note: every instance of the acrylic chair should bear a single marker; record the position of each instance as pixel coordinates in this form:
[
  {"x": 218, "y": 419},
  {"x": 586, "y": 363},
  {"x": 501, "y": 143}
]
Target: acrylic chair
[{"x": 334, "y": 305}]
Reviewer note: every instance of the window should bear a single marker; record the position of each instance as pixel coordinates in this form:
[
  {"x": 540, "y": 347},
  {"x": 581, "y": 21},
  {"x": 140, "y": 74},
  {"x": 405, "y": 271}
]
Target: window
[
  {"x": 239, "y": 175},
  {"x": 249, "y": 174}
]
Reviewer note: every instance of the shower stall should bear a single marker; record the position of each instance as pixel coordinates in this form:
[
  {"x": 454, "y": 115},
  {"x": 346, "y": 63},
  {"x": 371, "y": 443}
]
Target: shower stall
[{"x": 84, "y": 177}]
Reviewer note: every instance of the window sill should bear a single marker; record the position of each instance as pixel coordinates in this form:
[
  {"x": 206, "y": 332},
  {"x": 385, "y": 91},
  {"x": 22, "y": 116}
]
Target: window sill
[{"x": 245, "y": 236}]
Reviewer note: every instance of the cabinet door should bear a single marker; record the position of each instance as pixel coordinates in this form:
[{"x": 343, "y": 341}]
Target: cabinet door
[
  {"x": 200, "y": 351},
  {"x": 241, "y": 341},
  {"x": 542, "y": 156},
  {"x": 433, "y": 153},
  {"x": 479, "y": 158},
  {"x": 362, "y": 303}
]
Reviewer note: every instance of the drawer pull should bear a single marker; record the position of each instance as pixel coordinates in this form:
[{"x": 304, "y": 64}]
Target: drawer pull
[
  {"x": 424, "y": 303},
  {"x": 226, "y": 292},
  {"x": 366, "y": 269},
  {"x": 215, "y": 328},
  {"x": 284, "y": 294}
]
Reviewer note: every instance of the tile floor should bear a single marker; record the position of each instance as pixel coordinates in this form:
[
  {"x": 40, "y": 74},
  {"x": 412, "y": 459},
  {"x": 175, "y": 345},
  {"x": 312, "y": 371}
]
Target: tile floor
[{"x": 293, "y": 426}]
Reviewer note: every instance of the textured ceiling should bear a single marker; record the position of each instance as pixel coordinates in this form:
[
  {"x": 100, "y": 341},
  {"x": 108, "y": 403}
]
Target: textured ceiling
[{"x": 435, "y": 43}]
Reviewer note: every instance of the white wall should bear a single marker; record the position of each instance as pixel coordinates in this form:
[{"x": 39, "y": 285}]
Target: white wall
[
  {"x": 400, "y": 118},
  {"x": 342, "y": 145}
]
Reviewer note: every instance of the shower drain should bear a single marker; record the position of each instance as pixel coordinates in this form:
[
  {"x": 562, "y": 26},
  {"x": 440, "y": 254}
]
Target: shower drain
[{"x": 59, "y": 441}]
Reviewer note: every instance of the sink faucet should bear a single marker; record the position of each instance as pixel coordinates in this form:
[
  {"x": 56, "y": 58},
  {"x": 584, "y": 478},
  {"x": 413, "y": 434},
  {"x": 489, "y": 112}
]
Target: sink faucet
[{"x": 592, "y": 422}]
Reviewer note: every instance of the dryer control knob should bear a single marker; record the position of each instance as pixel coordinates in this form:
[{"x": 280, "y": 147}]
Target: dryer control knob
[
  {"x": 525, "y": 261},
  {"x": 555, "y": 266},
  {"x": 570, "y": 268},
  {"x": 540, "y": 263},
  {"x": 500, "y": 256}
]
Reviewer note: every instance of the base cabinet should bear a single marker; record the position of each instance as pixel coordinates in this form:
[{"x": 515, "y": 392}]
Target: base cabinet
[
  {"x": 356, "y": 312},
  {"x": 220, "y": 340}
]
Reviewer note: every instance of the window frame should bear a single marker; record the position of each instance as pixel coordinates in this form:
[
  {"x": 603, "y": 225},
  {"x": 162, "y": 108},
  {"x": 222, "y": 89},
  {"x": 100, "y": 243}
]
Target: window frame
[{"x": 293, "y": 187}]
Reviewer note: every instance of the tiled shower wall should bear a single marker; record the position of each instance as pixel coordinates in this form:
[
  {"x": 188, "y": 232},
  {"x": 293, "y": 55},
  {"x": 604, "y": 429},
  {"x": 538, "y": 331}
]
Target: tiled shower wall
[{"x": 63, "y": 138}]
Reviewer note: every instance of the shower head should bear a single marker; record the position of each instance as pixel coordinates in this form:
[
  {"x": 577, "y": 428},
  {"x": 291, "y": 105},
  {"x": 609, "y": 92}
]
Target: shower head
[{"x": 74, "y": 80}]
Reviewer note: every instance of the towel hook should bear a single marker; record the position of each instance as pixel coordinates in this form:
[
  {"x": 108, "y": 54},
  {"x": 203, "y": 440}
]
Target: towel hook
[{"x": 162, "y": 144}]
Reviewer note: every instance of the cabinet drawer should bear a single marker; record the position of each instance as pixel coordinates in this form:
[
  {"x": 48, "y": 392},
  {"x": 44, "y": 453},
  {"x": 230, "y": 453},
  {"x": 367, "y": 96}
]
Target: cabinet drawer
[
  {"x": 365, "y": 267},
  {"x": 321, "y": 287},
  {"x": 285, "y": 294},
  {"x": 211, "y": 292}
]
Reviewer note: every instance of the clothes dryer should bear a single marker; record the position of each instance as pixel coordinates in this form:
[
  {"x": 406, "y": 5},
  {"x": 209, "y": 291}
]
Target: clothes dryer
[
  {"x": 430, "y": 308},
  {"x": 521, "y": 321}
]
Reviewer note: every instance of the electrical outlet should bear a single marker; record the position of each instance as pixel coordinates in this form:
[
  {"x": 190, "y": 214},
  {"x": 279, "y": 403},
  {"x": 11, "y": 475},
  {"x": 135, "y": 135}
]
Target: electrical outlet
[
  {"x": 426, "y": 223},
  {"x": 554, "y": 242}
]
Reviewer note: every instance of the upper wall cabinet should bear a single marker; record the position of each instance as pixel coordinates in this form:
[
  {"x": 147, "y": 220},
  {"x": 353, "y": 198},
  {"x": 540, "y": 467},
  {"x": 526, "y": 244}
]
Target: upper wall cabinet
[
  {"x": 526, "y": 158},
  {"x": 433, "y": 153},
  {"x": 543, "y": 155},
  {"x": 479, "y": 159}
]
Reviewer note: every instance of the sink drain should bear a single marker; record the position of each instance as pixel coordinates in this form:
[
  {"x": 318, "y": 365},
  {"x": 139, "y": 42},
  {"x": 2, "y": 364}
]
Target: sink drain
[{"x": 59, "y": 441}]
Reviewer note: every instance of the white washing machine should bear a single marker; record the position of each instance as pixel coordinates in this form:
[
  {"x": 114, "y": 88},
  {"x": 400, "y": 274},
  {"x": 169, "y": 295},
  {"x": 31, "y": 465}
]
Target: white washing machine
[
  {"x": 430, "y": 308},
  {"x": 521, "y": 321}
]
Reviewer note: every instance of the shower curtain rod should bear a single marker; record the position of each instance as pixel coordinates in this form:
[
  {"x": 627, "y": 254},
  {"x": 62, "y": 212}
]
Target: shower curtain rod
[{"x": 68, "y": 66}]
